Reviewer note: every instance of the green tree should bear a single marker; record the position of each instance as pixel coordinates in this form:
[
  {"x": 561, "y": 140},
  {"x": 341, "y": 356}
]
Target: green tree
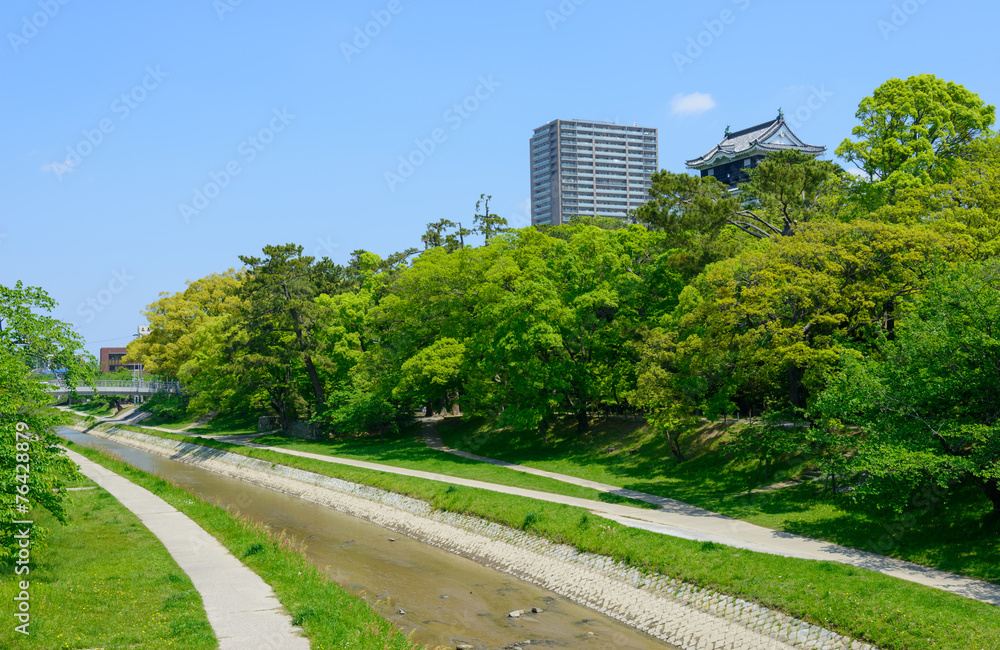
[
  {"x": 691, "y": 212},
  {"x": 558, "y": 321},
  {"x": 277, "y": 346},
  {"x": 33, "y": 468},
  {"x": 432, "y": 375},
  {"x": 787, "y": 189},
  {"x": 701, "y": 217},
  {"x": 175, "y": 318},
  {"x": 765, "y": 326},
  {"x": 776, "y": 435},
  {"x": 966, "y": 205},
  {"x": 929, "y": 401},
  {"x": 438, "y": 235},
  {"x": 487, "y": 224},
  {"x": 912, "y": 133}
]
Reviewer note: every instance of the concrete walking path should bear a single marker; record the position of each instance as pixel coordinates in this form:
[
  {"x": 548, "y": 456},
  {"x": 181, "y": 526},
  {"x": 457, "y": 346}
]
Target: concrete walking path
[
  {"x": 241, "y": 607},
  {"x": 676, "y": 519},
  {"x": 692, "y": 522},
  {"x": 679, "y": 519}
]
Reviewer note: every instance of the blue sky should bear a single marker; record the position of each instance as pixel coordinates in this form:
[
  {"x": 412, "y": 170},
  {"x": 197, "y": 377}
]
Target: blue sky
[{"x": 146, "y": 144}]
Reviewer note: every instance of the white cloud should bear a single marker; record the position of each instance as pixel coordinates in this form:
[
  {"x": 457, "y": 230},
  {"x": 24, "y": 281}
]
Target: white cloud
[{"x": 693, "y": 104}]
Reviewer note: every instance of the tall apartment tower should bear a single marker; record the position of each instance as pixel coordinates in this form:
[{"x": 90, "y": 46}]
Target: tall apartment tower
[{"x": 590, "y": 168}]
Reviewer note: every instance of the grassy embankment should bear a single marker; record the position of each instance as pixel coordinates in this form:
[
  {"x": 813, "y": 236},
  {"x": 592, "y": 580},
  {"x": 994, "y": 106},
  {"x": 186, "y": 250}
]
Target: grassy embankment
[
  {"x": 98, "y": 406},
  {"x": 886, "y": 611},
  {"x": 218, "y": 425},
  {"x": 103, "y": 580},
  {"x": 329, "y": 615},
  {"x": 950, "y": 536}
]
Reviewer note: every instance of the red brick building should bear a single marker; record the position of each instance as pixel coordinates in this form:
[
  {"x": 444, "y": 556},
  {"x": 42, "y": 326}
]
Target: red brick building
[{"x": 111, "y": 360}]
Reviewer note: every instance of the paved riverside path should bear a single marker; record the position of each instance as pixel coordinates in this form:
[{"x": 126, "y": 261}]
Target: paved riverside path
[
  {"x": 679, "y": 519},
  {"x": 241, "y": 607},
  {"x": 673, "y": 518}
]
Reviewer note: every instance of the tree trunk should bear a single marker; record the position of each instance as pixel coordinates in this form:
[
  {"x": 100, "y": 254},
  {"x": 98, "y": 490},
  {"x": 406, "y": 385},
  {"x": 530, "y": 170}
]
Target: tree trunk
[
  {"x": 582, "y": 422},
  {"x": 316, "y": 382},
  {"x": 890, "y": 320},
  {"x": 675, "y": 447},
  {"x": 991, "y": 489},
  {"x": 796, "y": 391},
  {"x": 543, "y": 428}
]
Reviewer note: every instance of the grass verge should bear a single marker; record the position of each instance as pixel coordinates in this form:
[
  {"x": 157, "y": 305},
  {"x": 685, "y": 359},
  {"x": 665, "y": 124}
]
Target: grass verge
[
  {"x": 104, "y": 581},
  {"x": 886, "y": 611},
  {"x": 330, "y": 616},
  {"x": 631, "y": 456},
  {"x": 410, "y": 452}
]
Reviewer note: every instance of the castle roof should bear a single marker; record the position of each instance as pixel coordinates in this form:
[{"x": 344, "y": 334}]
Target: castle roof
[{"x": 756, "y": 140}]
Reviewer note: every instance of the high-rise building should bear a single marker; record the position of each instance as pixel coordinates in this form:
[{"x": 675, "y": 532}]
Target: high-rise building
[{"x": 590, "y": 168}]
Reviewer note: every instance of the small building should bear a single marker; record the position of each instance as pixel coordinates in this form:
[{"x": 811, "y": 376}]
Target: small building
[
  {"x": 112, "y": 360},
  {"x": 741, "y": 151}
]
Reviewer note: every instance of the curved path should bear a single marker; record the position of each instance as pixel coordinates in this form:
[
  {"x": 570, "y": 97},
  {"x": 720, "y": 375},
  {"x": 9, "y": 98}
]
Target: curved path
[
  {"x": 675, "y": 518},
  {"x": 241, "y": 607},
  {"x": 680, "y": 519}
]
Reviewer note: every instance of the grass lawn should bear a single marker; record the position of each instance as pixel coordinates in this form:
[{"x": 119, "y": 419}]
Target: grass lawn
[
  {"x": 103, "y": 580},
  {"x": 220, "y": 424},
  {"x": 99, "y": 407},
  {"x": 886, "y": 611},
  {"x": 330, "y": 616},
  {"x": 712, "y": 480},
  {"x": 409, "y": 451}
]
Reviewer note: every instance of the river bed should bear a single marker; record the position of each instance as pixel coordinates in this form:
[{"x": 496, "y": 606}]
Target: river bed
[{"x": 446, "y": 599}]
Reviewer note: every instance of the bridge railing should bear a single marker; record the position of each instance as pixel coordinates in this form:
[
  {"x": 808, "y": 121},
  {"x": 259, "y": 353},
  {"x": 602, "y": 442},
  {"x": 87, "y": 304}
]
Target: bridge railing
[{"x": 109, "y": 385}]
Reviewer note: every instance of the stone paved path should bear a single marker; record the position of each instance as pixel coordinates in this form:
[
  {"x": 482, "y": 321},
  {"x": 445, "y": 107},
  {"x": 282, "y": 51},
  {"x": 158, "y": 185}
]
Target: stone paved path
[{"x": 241, "y": 607}]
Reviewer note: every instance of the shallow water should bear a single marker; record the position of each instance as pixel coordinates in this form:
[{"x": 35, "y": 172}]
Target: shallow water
[{"x": 446, "y": 598}]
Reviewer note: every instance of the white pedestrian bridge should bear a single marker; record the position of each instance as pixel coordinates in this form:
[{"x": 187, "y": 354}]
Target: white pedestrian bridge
[{"x": 59, "y": 388}]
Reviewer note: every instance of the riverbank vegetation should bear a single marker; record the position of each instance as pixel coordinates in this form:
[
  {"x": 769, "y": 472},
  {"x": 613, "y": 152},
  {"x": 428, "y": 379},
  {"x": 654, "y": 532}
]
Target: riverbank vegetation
[
  {"x": 714, "y": 477},
  {"x": 815, "y": 299},
  {"x": 329, "y": 615},
  {"x": 886, "y": 611},
  {"x": 104, "y": 565}
]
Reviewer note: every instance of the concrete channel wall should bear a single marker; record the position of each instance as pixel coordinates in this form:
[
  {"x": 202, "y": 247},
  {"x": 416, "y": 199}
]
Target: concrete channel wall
[{"x": 681, "y": 614}]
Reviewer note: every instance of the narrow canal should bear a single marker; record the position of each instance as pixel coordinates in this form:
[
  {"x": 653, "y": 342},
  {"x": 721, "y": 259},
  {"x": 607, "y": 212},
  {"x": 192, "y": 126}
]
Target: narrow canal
[{"x": 446, "y": 600}]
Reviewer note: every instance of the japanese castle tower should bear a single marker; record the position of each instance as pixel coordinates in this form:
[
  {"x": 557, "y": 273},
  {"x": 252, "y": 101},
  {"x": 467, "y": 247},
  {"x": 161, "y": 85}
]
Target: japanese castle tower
[{"x": 729, "y": 160}]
